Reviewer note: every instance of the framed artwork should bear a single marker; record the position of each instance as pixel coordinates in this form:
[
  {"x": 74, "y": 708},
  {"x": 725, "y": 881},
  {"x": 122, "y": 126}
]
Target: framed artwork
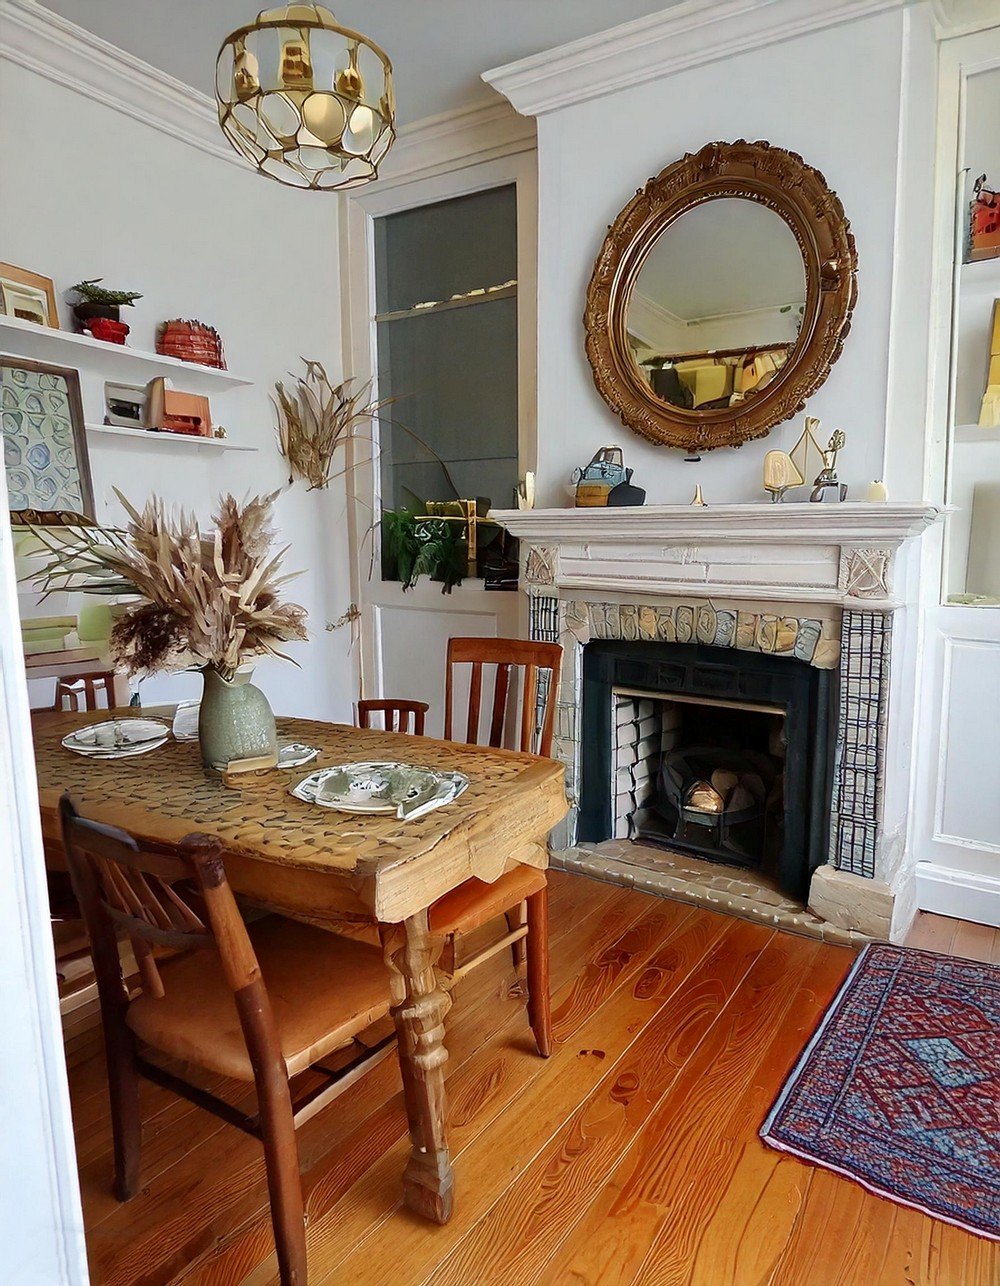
[
  {"x": 27, "y": 295},
  {"x": 44, "y": 443}
]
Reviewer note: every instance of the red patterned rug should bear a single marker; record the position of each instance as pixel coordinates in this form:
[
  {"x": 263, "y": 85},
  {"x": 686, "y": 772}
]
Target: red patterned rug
[{"x": 899, "y": 1087}]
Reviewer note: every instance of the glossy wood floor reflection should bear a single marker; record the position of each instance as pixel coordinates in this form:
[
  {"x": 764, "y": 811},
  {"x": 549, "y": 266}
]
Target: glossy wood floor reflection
[{"x": 630, "y": 1156}]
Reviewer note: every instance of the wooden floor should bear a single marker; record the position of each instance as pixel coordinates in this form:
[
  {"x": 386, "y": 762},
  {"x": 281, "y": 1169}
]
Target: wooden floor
[{"x": 630, "y": 1156}]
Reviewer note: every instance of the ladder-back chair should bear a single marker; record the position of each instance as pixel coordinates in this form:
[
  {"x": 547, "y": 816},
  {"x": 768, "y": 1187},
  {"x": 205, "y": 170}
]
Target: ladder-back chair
[
  {"x": 257, "y": 1003},
  {"x": 397, "y": 716},
  {"x": 72, "y": 688},
  {"x": 520, "y": 895}
]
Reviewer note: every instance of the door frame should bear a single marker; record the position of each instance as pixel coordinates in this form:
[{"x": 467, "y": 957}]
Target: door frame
[
  {"x": 472, "y": 165},
  {"x": 41, "y": 1217}
]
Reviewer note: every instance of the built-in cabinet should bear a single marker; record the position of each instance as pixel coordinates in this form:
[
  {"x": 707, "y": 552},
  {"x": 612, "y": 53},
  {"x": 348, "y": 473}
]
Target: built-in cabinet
[{"x": 956, "y": 804}]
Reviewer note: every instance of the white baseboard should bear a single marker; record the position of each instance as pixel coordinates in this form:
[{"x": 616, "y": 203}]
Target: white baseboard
[{"x": 961, "y": 894}]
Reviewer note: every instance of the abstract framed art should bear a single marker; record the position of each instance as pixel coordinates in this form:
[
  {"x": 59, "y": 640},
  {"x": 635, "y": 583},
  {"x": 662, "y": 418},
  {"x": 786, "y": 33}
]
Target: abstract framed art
[
  {"x": 28, "y": 296},
  {"x": 44, "y": 443}
]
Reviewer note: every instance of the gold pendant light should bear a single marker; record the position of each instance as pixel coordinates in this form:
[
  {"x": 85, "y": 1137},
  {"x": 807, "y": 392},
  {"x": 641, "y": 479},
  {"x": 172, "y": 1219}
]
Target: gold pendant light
[{"x": 306, "y": 101}]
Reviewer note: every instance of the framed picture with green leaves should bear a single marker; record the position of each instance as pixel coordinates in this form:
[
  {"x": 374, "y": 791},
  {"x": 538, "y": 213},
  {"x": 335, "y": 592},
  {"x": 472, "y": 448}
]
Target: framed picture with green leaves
[{"x": 44, "y": 443}]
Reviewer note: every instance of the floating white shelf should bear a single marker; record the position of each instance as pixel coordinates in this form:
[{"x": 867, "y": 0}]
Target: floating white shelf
[
  {"x": 66, "y": 348},
  {"x": 170, "y": 440},
  {"x": 973, "y": 433}
]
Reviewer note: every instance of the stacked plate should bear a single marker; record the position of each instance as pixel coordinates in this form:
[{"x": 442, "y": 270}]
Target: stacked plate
[
  {"x": 407, "y": 790},
  {"x": 117, "y": 738}
]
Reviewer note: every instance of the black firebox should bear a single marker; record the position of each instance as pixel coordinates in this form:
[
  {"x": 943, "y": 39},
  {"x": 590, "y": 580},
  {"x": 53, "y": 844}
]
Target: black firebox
[{"x": 709, "y": 683}]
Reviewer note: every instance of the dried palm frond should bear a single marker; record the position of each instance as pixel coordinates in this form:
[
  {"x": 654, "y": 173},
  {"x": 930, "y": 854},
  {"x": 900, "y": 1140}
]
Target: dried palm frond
[
  {"x": 316, "y": 418},
  {"x": 203, "y": 598}
]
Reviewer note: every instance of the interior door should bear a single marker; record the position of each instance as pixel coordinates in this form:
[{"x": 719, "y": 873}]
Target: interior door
[{"x": 449, "y": 335}]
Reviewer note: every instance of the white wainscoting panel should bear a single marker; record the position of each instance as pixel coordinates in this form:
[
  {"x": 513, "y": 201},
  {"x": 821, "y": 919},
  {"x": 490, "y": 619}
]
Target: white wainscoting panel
[{"x": 969, "y": 801}]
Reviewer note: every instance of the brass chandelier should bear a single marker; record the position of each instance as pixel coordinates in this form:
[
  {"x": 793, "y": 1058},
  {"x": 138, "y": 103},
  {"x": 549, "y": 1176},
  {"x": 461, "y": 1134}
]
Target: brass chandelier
[{"x": 307, "y": 101}]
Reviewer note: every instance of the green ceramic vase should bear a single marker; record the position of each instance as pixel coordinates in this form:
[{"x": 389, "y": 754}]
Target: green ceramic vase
[{"x": 234, "y": 721}]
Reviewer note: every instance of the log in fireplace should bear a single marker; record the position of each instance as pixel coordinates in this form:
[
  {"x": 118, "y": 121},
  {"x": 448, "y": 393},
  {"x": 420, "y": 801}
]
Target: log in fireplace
[{"x": 724, "y": 754}]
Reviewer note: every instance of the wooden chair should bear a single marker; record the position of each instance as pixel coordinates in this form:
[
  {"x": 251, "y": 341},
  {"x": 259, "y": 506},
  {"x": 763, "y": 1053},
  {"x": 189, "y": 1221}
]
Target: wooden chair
[
  {"x": 68, "y": 688},
  {"x": 259, "y": 1003},
  {"x": 521, "y": 895},
  {"x": 397, "y": 715}
]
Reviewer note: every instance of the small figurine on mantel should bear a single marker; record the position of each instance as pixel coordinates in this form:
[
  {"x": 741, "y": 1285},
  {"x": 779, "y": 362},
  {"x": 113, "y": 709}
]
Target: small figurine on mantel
[
  {"x": 827, "y": 479},
  {"x": 780, "y": 475}
]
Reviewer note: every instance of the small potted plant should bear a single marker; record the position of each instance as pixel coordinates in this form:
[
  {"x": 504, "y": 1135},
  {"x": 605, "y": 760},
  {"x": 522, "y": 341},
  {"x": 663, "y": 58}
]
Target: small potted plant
[{"x": 98, "y": 309}]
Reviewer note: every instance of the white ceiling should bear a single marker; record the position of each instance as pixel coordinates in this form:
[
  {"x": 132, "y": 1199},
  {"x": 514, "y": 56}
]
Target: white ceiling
[{"x": 438, "y": 47}]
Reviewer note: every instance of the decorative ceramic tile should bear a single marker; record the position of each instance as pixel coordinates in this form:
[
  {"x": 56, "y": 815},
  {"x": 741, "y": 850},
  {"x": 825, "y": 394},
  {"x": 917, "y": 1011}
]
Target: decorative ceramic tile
[
  {"x": 540, "y": 565},
  {"x": 684, "y": 617},
  {"x": 725, "y": 632},
  {"x": 666, "y": 628},
  {"x": 864, "y": 573},
  {"x": 806, "y": 639},
  {"x": 746, "y": 630},
  {"x": 628, "y": 621},
  {"x": 706, "y": 623},
  {"x": 647, "y": 623}
]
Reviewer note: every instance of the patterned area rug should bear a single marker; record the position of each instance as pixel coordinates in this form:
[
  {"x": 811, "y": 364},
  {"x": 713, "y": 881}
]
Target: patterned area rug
[{"x": 899, "y": 1088}]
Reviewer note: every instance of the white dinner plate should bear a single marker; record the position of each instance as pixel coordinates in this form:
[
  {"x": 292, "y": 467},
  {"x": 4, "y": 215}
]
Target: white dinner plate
[
  {"x": 116, "y": 738},
  {"x": 408, "y": 790}
]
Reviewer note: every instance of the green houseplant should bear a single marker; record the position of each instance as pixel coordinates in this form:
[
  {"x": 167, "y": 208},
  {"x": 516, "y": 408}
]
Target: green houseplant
[{"x": 97, "y": 301}]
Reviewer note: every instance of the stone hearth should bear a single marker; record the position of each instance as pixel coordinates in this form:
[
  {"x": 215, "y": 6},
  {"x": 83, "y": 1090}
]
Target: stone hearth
[{"x": 827, "y": 584}]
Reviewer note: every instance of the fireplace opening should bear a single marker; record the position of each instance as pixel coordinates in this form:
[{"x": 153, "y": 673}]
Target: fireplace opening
[
  {"x": 709, "y": 751},
  {"x": 705, "y": 777}
]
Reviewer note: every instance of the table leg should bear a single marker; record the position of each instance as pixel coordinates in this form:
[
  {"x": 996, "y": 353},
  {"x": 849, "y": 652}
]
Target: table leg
[{"x": 418, "y": 1009}]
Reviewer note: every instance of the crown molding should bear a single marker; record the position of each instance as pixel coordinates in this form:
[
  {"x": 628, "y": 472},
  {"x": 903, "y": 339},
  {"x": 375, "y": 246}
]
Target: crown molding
[
  {"x": 964, "y": 17},
  {"x": 452, "y": 140},
  {"x": 689, "y": 34},
  {"x": 48, "y": 44}
]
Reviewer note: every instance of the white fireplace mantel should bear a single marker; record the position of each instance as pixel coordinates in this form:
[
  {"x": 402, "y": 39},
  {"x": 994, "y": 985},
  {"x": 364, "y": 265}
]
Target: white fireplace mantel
[{"x": 823, "y": 553}]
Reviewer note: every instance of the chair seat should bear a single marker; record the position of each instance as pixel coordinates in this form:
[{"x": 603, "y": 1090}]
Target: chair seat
[
  {"x": 324, "y": 990},
  {"x": 475, "y": 902}
]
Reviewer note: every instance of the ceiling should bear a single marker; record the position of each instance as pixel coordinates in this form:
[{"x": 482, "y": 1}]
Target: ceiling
[{"x": 438, "y": 48}]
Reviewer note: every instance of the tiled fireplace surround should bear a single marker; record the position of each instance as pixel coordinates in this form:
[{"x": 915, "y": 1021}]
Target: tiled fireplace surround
[{"x": 824, "y": 583}]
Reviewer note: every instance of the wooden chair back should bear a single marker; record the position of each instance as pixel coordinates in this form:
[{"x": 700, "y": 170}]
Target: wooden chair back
[
  {"x": 538, "y": 666},
  {"x": 176, "y": 899},
  {"x": 69, "y": 689},
  {"x": 397, "y": 716}
]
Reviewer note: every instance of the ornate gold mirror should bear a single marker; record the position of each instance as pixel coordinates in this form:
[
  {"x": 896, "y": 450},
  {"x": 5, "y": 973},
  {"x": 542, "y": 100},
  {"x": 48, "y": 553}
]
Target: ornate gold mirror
[{"x": 721, "y": 296}]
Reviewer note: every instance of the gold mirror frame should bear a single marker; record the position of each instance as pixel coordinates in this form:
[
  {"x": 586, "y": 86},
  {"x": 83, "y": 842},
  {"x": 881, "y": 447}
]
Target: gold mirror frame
[{"x": 784, "y": 183}]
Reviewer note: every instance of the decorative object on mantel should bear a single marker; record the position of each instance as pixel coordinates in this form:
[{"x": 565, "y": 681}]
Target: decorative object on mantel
[
  {"x": 984, "y": 223},
  {"x": 897, "y": 1089},
  {"x": 626, "y": 495},
  {"x": 827, "y": 481},
  {"x": 877, "y": 492},
  {"x": 716, "y": 389},
  {"x": 28, "y": 296},
  {"x": 191, "y": 341},
  {"x": 698, "y": 499},
  {"x": 526, "y": 491},
  {"x": 44, "y": 443},
  {"x": 98, "y": 310},
  {"x": 280, "y": 110},
  {"x": 780, "y": 475},
  {"x": 316, "y": 418},
  {"x": 171, "y": 411},
  {"x": 594, "y": 481},
  {"x": 208, "y": 601},
  {"x": 807, "y": 454}
]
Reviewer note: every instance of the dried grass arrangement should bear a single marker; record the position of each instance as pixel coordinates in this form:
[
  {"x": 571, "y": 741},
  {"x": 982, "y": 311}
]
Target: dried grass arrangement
[
  {"x": 316, "y": 418},
  {"x": 205, "y": 599}
]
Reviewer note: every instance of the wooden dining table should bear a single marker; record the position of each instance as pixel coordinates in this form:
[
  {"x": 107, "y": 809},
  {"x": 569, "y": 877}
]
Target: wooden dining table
[{"x": 343, "y": 872}]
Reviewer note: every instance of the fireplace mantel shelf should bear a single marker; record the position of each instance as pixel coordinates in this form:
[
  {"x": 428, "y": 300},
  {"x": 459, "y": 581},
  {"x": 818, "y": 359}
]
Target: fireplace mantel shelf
[
  {"x": 849, "y": 524},
  {"x": 840, "y": 554}
]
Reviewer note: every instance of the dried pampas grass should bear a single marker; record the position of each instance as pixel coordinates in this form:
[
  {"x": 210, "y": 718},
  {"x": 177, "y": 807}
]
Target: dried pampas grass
[
  {"x": 204, "y": 598},
  {"x": 316, "y": 418}
]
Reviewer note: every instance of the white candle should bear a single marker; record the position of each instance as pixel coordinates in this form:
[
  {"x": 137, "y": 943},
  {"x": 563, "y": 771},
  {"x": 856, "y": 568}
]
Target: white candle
[{"x": 877, "y": 492}]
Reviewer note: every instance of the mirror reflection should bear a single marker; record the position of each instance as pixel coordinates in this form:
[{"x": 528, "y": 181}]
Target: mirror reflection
[{"x": 717, "y": 305}]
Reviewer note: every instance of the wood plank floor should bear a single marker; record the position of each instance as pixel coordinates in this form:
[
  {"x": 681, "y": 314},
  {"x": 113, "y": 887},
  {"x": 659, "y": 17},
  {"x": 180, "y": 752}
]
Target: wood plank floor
[{"x": 629, "y": 1157}]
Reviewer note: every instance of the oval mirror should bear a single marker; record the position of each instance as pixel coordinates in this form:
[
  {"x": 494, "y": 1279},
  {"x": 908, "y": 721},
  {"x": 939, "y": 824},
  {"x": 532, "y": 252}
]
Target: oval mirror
[{"x": 721, "y": 297}]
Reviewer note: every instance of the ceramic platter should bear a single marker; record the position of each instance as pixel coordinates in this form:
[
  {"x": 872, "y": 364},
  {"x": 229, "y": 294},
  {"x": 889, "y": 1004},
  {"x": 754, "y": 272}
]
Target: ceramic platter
[
  {"x": 117, "y": 738},
  {"x": 407, "y": 790}
]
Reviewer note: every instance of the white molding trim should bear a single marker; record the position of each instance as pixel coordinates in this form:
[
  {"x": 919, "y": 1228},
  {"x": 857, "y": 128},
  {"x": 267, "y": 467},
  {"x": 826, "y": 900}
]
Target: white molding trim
[
  {"x": 688, "y": 34},
  {"x": 453, "y": 140},
  {"x": 50, "y": 45},
  {"x": 963, "y": 17},
  {"x": 961, "y": 894},
  {"x": 41, "y": 1220}
]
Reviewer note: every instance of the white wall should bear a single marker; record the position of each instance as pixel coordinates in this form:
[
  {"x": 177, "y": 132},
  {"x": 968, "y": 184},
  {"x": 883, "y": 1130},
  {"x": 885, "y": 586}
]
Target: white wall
[
  {"x": 833, "y": 96},
  {"x": 89, "y": 192}
]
